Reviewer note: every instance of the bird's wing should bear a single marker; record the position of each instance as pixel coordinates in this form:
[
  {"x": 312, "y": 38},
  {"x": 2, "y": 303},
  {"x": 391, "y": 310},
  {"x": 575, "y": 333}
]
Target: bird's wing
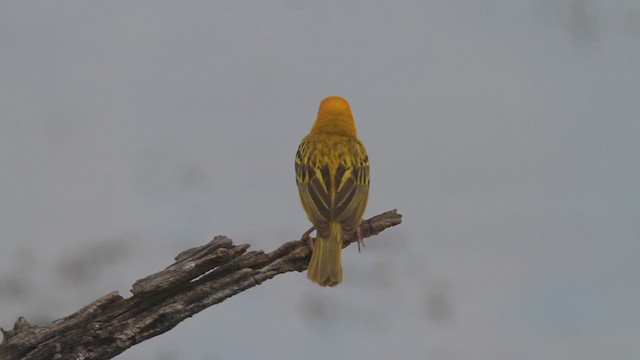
[
  {"x": 312, "y": 187},
  {"x": 351, "y": 187}
]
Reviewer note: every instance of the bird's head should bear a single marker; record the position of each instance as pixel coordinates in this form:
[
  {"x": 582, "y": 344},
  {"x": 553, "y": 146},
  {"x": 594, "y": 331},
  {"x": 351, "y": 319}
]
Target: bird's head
[{"x": 334, "y": 117}]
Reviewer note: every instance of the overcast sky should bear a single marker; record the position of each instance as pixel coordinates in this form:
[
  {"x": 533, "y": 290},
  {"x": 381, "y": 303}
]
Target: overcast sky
[{"x": 506, "y": 132}]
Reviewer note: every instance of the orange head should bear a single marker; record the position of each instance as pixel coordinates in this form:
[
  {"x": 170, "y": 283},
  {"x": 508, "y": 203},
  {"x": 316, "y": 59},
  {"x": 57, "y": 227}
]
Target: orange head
[{"x": 334, "y": 117}]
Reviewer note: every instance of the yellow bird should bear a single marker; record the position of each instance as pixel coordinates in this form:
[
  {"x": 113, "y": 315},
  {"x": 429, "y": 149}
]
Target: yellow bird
[{"x": 332, "y": 173}]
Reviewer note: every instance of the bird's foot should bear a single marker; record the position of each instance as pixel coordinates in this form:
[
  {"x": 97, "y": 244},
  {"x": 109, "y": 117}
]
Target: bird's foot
[
  {"x": 308, "y": 239},
  {"x": 358, "y": 237}
]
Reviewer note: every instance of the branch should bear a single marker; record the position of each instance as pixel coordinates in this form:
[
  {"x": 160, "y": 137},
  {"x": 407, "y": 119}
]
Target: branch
[{"x": 201, "y": 277}]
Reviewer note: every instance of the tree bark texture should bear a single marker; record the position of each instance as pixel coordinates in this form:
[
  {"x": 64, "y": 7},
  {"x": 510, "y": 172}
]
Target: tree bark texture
[{"x": 199, "y": 278}]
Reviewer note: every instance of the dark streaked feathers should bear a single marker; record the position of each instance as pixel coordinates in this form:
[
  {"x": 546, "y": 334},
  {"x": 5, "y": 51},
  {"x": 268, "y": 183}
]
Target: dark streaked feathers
[{"x": 332, "y": 173}]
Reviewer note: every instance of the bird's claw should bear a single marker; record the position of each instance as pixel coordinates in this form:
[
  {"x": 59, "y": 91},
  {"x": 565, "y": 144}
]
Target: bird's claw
[
  {"x": 359, "y": 238},
  {"x": 308, "y": 239}
]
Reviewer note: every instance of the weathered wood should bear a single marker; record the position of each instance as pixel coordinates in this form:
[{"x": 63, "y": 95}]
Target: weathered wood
[{"x": 200, "y": 277}]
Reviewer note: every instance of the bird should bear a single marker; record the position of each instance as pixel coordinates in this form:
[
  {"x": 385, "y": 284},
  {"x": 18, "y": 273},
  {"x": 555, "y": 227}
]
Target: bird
[{"x": 332, "y": 174}]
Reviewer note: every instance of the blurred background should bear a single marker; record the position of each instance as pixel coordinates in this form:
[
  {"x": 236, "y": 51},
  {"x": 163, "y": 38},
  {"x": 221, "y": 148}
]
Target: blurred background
[{"x": 506, "y": 132}]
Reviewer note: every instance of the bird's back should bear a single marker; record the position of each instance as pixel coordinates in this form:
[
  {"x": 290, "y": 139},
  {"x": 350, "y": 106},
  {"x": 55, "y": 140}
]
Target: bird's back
[{"x": 332, "y": 173}]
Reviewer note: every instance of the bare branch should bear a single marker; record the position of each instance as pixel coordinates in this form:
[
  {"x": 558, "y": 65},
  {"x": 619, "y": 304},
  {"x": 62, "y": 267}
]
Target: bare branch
[{"x": 201, "y": 277}]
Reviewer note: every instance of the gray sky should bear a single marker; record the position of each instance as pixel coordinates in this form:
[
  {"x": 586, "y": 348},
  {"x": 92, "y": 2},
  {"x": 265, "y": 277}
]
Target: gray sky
[{"x": 506, "y": 132}]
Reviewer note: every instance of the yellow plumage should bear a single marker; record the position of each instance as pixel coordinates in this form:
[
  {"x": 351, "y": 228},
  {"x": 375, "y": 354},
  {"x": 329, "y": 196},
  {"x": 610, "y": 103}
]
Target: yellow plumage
[{"x": 332, "y": 173}]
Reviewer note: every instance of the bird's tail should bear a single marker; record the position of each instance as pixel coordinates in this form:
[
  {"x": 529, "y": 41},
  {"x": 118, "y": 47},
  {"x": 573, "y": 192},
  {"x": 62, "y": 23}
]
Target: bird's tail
[{"x": 325, "y": 267}]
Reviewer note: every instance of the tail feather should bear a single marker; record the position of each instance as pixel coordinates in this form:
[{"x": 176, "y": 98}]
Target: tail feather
[{"x": 325, "y": 267}]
